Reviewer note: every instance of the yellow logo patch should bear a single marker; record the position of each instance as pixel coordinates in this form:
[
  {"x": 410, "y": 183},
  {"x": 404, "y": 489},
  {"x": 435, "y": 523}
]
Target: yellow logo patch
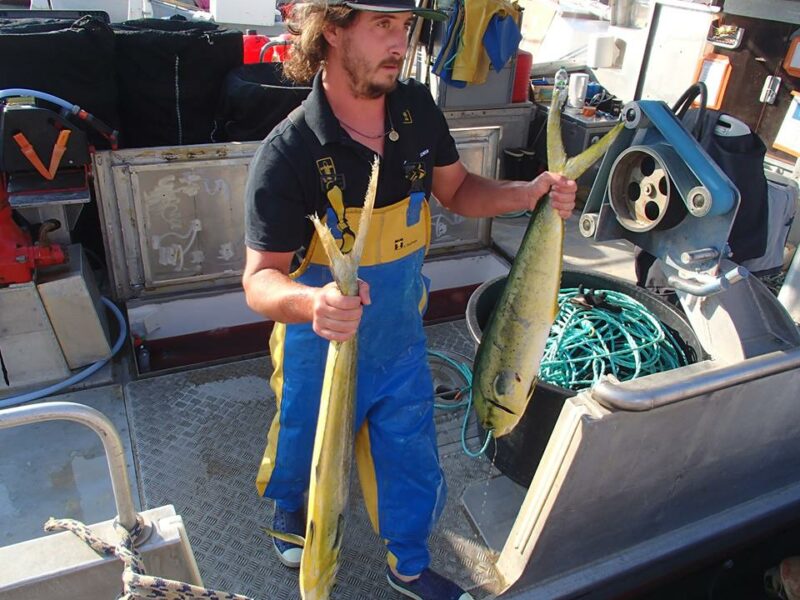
[{"x": 326, "y": 167}]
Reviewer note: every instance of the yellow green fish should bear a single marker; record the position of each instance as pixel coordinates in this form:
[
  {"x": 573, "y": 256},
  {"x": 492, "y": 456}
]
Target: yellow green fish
[
  {"x": 512, "y": 343},
  {"x": 333, "y": 444}
]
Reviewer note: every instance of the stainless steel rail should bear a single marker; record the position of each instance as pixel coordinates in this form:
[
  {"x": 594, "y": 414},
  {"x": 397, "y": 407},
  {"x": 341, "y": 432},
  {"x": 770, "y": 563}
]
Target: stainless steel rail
[
  {"x": 697, "y": 379},
  {"x": 102, "y": 426}
]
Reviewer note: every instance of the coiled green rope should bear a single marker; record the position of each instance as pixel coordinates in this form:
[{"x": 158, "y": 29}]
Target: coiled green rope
[{"x": 611, "y": 334}]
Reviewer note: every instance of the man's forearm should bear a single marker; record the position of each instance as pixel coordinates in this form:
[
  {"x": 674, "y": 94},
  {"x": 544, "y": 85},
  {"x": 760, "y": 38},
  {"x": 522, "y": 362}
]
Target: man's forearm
[
  {"x": 278, "y": 297},
  {"x": 481, "y": 197}
]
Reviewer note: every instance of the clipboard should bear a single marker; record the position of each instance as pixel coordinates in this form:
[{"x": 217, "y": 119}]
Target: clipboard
[{"x": 714, "y": 70}]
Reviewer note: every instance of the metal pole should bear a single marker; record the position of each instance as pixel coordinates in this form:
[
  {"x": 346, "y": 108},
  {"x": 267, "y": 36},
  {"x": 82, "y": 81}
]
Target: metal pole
[{"x": 102, "y": 426}]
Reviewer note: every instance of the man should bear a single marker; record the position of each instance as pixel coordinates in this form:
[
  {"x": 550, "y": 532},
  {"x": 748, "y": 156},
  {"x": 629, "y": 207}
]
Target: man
[{"x": 318, "y": 160}]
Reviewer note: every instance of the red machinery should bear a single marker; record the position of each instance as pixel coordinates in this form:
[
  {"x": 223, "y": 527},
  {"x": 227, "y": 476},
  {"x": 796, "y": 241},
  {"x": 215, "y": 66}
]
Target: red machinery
[
  {"x": 29, "y": 134},
  {"x": 19, "y": 256}
]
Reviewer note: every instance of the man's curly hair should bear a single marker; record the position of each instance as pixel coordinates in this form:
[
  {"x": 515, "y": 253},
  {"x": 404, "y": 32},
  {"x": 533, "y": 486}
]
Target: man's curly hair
[{"x": 307, "y": 22}]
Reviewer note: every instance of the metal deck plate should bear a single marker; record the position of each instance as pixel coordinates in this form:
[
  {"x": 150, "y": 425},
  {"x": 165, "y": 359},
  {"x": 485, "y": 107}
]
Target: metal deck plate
[{"x": 198, "y": 438}]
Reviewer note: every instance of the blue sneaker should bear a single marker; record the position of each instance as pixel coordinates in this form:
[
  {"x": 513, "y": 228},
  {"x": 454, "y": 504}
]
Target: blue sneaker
[
  {"x": 289, "y": 522},
  {"x": 428, "y": 586}
]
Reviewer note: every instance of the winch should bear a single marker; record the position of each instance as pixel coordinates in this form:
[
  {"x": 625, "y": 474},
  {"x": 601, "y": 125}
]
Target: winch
[
  {"x": 31, "y": 136},
  {"x": 44, "y": 169},
  {"x": 659, "y": 189}
]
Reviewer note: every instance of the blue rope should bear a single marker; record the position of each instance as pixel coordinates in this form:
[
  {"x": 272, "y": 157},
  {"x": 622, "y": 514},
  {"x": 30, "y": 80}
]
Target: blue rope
[{"x": 463, "y": 397}]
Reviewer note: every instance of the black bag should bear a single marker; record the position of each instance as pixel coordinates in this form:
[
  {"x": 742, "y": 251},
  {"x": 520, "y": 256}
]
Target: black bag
[
  {"x": 741, "y": 158},
  {"x": 73, "y": 60},
  {"x": 170, "y": 74},
  {"x": 255, "y": 99}
]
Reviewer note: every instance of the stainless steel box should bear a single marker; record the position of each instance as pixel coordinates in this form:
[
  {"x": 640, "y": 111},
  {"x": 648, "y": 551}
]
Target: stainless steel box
[
  {"x": 72, "y": 301},
  {"x": 31, "y": 353}
]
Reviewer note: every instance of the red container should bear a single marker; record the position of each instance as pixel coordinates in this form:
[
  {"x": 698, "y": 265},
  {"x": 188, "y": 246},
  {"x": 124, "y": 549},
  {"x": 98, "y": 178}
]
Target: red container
[
  {"x": 522, "y": 77},
  {"x": 253, "y": 43},
  {"x": 282, "y": 50}
]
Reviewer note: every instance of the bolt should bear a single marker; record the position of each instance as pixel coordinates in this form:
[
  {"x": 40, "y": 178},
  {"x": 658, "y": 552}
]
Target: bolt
[
  {"x": 630, "y": 115},
  {"x": 649, "y": 190},
  {"x": 698, "y": 201}
]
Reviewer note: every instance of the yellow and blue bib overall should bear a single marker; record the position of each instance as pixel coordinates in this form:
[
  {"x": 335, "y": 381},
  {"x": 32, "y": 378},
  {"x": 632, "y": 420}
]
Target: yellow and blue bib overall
[{"x": 396, "y": 452}]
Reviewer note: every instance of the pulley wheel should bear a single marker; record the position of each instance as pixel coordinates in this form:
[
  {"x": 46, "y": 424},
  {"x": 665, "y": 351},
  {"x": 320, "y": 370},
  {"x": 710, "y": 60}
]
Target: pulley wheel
[{"x": 642, "y": 194}]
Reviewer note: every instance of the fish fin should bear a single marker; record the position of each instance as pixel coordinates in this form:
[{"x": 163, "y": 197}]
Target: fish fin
[{"x": 291, "y": 538}]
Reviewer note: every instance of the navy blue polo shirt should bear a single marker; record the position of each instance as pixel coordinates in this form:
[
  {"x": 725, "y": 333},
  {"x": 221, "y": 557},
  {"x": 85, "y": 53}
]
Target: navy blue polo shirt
[{"x": 287, "y": 175}]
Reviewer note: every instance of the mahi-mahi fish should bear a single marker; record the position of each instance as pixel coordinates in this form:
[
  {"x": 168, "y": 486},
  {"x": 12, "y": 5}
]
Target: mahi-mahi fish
[
  {"x": 513, "y": 342},
  {"x": 333, "y": 444}
]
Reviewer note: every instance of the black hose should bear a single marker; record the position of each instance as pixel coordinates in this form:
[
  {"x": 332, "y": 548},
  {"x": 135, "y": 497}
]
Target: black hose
[
  {"x": 271, "y": 44},
  {"x": 681, "y": 107}
]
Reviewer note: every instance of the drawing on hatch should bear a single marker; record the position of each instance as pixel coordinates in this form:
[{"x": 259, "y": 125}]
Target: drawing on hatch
[
  {"x": 192, "y": 220},
  {"x": 172, "y": 255},
  {"x": 176, "y": 201}
]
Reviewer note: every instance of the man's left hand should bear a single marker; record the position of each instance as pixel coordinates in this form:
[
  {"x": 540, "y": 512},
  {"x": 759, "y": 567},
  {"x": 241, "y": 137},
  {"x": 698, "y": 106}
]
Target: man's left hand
[{"x": 562, "y": 192}]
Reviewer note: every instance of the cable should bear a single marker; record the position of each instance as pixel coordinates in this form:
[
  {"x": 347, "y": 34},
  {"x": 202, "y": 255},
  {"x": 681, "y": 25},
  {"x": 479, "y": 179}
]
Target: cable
[
  {"x": 13, "y": 92},
  {"x": 463, "y": 397},
  {"x": 90, "y": 370},
  {"x": 110, "y": 134}
]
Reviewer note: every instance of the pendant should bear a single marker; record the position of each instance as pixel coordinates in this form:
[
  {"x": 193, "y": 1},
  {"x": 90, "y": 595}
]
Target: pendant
[{"x": 393, "y": 136}]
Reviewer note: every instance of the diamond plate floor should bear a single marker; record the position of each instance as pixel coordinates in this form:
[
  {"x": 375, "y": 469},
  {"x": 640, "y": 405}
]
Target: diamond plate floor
[{"x": 198, "y": 439}]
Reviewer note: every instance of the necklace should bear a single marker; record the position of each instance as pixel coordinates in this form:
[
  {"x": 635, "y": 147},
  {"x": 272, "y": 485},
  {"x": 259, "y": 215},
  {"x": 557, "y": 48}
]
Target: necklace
[{"x": 393, "y": 135}]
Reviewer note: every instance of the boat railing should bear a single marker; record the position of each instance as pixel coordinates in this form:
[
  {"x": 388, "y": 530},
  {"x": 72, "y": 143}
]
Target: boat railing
[
  {"x": 695, "y": 380},
  {"x": 102, "y": 426}
]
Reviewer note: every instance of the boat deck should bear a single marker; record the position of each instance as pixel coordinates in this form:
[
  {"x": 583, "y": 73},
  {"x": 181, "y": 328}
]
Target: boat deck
[{"x": 195, "y": 440}]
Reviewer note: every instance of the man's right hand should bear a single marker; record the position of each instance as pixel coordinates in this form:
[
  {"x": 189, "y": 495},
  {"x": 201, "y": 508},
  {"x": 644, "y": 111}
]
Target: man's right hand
[{"x": 336, "y": 317}]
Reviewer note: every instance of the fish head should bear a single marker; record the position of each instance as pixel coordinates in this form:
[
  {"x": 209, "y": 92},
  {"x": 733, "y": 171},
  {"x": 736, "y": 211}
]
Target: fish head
[{"x": 501, "y": 402}]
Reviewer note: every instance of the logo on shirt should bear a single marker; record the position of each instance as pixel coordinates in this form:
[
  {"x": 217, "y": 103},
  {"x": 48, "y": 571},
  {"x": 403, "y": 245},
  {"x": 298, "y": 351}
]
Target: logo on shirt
[
  {"x": 328, "y": 177},
  {"x": 332, "y": 186},
  {"x": 407, "y": 120}
]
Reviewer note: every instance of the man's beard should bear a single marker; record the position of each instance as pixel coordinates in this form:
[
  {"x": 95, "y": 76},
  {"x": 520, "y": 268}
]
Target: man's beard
[{"x": 358, "y": 70}]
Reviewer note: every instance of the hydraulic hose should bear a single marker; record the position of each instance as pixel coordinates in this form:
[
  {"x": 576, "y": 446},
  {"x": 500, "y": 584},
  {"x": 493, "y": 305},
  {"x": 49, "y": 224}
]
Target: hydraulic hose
[
  {"x": 13, "y": 92},
  {"x": 78, "y": 377},
  {"x": 105, "y": 130}
]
